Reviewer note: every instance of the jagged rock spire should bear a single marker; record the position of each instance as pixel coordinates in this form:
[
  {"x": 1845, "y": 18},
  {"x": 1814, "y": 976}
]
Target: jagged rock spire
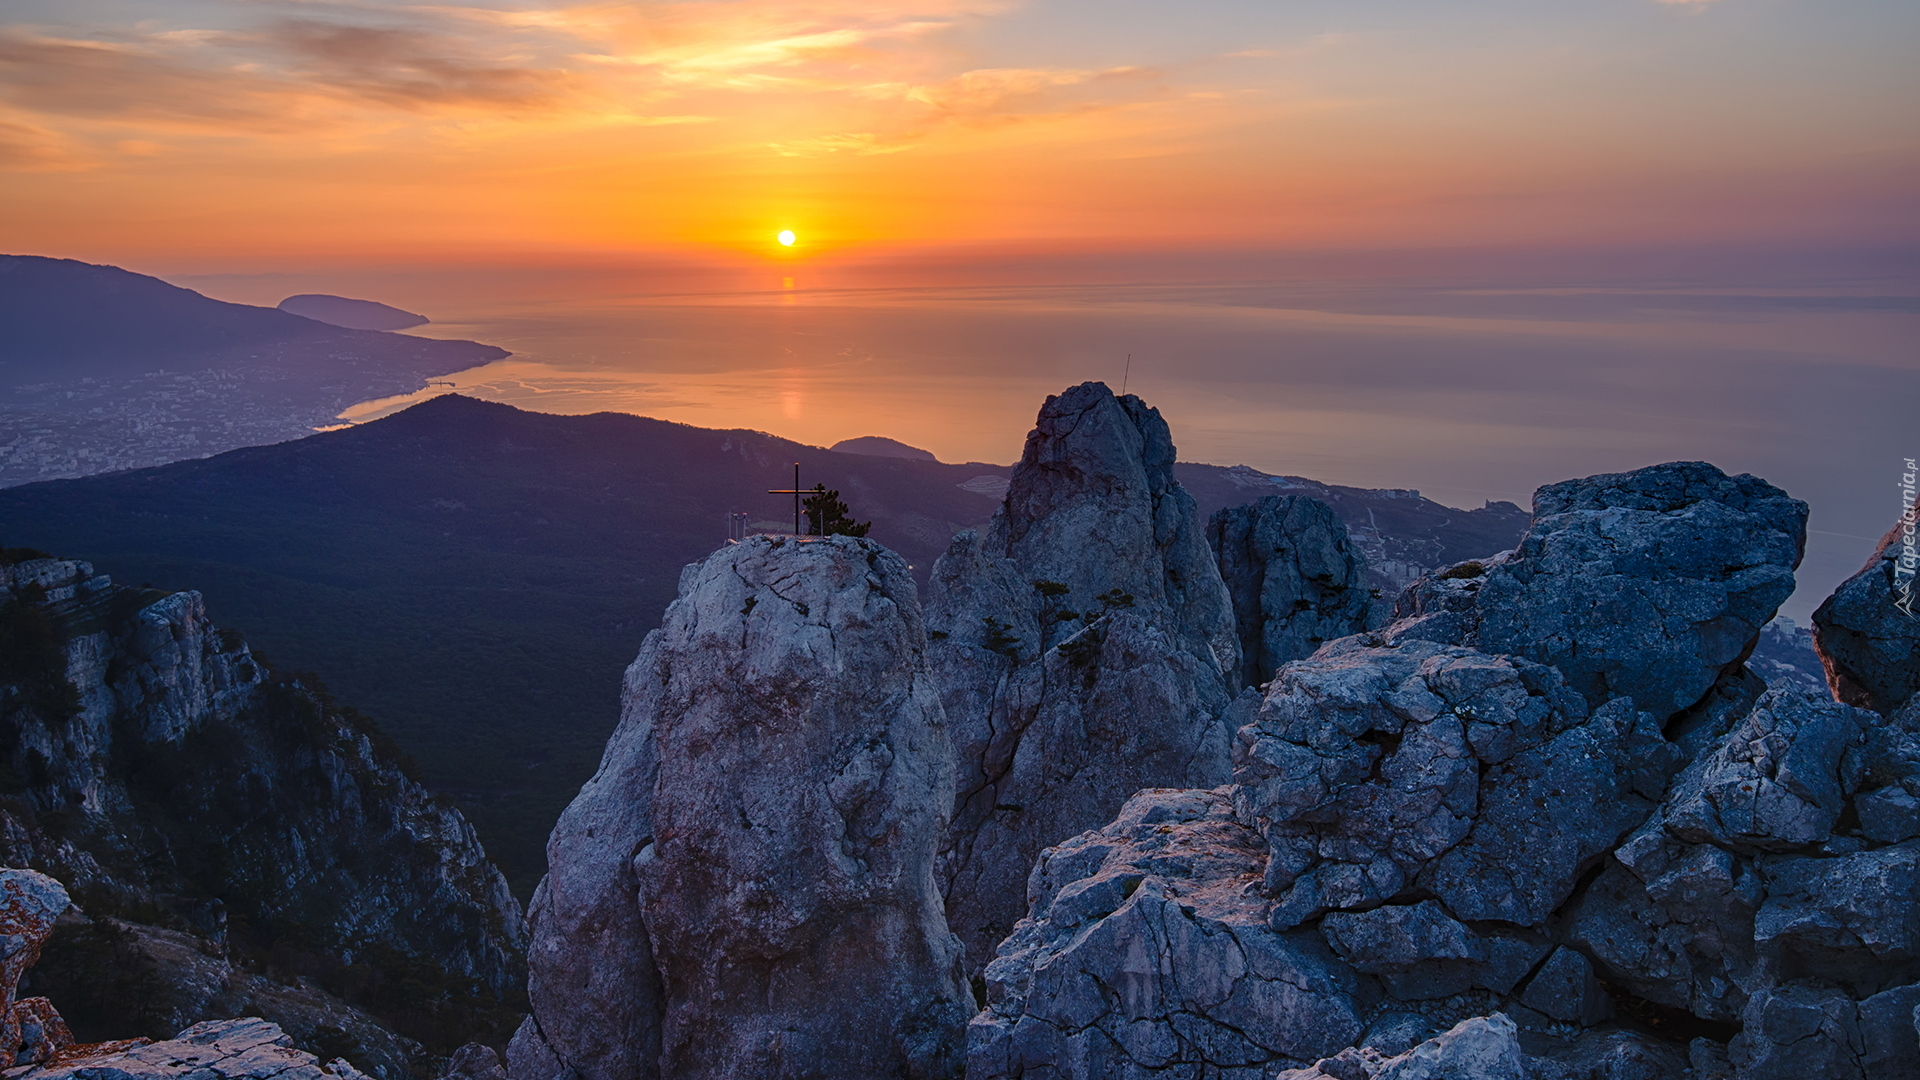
[
  {"x": 1085, "y": 648},
  {"x": 746, "y": 887}
]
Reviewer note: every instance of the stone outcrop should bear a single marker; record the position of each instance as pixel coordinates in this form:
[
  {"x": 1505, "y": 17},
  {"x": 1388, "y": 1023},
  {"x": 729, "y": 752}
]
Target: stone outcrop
[
  {"x": 1423, "y": 832},
  {"x": 31, "y": 1029},
  {"x": 1085, "y": 648},
  {"x": 1147, "y": 953},
  {"x": 746, "y": 887},
  {"x": 1381, "y": 773},
  {"x": 1295, "y": 579},
  {"x": 242, "y": 1049},
  {"x": 209, "y": 815},
  {"x": 1868, "y": 631},
  {"x": 1651, "y": 584}
]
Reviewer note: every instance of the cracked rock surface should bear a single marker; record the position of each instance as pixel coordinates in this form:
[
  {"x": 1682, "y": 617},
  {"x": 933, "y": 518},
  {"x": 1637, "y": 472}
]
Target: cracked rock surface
[
  {"x": 1148, "y": 954},
  {"x": 1295, "y": 578},
  {"x": 1650, "y": 584},
  {"x": 746, "y": 887},
  {"x": 1441, "y": 835},
  {"x": 1085, "y": 648}
]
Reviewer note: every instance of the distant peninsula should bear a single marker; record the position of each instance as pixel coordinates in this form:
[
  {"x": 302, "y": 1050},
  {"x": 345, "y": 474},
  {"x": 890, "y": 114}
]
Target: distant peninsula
[
  {"x": 351, "y": 314},
  {"x": 102, "y": 369}
]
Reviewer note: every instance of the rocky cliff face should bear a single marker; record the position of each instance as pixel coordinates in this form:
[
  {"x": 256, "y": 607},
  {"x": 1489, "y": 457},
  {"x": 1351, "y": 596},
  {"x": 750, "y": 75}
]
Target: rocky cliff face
[
  {"x": 235, "y": 841},
  {"x": 1295, "y": 579},
  {"x": 746, "y": 887},
  {"x": 1084, "y": 646},
  {"x": 1451, "y": 817}
]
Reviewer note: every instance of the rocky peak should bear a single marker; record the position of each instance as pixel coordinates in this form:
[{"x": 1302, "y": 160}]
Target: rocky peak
[
  {"x": 1085, "y": 647},
  {"x": 1093, "y": 505},
  {"x": 746, "y": 887}
]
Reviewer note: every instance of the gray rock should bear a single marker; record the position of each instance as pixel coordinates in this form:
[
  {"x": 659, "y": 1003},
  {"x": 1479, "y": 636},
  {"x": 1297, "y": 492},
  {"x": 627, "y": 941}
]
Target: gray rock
[
  {"x": 243, "y": 1049},
  {"x": 746, "y": 887},
  {"x": 1887, "y": 1028},
  {"x": 1420, "y": 953},
  {"x": 1377, "y": 772},
  {"x": 1147, "y": 954},
  {"x": 1650, "y": 584},
  {"x": 1084, "y": 647},
  {"x": 1777, "y": 782},
  {"x": 1868, "y": 633},
  {"x": 1481, "y": 1047},
  {"x": 1613, "y": 1054},
  {"x": 1852, "y": 919},
  {"x": 1672, "y": 922},
  {"x": 1565, "y": 988},
  {"x": 1295, "y": 578},
  {"x": 1797, "y": 1031}
]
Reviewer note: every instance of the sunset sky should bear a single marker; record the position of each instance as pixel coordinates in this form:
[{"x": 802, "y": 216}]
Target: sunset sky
[{"x": 222, "y": 133}]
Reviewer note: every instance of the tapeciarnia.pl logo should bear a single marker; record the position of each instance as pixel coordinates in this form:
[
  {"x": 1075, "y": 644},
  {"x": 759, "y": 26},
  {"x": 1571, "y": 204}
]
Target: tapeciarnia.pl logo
[{"x": 1906, "y": 559}]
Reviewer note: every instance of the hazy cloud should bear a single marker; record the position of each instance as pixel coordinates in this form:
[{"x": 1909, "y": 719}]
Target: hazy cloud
[
  {"x": 25, "y": 146},
  {"x": 1000, "y": 93},
  {"x": 402, "y": 67}
]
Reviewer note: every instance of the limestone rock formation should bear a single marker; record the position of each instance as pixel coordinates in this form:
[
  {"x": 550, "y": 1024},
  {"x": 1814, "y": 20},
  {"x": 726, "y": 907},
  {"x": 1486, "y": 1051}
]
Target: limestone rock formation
[
  {"x": 1379, "y": 773},
  {"x": 1868, "y": 631},
  {"x": 1147, "y": 953},
  {"x": 207, "y": 814},
  {"x": 1085, "y": 648},
  {"x": 1295, "y": 579},
  {"x": 746, "y": 887},
  {"x": 1422, "y": 832},
  {"x": 1651, "y": 584},
  {"x": 243, "y": 1049}
]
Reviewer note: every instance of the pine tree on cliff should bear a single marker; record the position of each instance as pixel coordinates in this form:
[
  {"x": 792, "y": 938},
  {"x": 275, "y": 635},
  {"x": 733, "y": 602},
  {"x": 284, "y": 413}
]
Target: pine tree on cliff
[{"x": 828, "y": 516}]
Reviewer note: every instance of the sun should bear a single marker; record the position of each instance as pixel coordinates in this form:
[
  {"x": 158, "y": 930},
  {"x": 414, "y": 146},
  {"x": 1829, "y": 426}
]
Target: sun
[{"x": 786, "y": 238}]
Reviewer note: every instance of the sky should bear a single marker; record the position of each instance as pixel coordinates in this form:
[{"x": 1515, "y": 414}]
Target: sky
[{"x": 249, "y": 134}]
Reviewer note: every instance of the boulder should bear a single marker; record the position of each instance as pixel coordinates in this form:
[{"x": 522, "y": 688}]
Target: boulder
[
  {"x": 1651, "y": 584},
  {"x": 746, "y": 887},
  {"x": 1084, "y": 646},
  {"x": 1868, "y": 632},
  {"x": 1295, "y": 579},
  {"x": 244, "y": 1049},
  {"x": 1382, "y": 772}
]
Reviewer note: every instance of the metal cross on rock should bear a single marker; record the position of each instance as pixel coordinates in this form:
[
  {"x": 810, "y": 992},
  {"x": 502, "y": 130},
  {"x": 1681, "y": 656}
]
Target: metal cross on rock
[{"x": 796, "y": 492}]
